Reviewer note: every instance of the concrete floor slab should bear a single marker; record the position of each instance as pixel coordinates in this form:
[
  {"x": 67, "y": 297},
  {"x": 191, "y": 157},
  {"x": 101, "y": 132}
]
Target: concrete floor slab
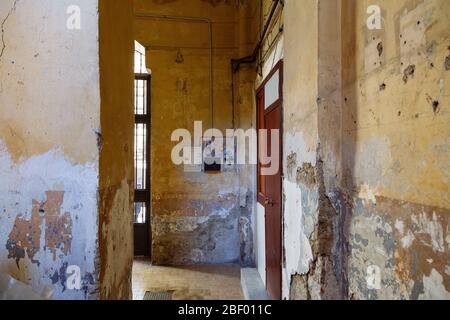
[{"x": 201, "y": 282}]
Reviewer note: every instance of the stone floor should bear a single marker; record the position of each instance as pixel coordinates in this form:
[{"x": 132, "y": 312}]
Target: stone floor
[{"x": 204, "y": 282}]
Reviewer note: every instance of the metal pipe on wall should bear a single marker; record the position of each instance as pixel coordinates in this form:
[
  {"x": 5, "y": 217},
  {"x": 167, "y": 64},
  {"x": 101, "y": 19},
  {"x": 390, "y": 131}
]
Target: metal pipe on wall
[
  {"x": 236, "y": 63},
  {"x": 142, "y": 15}
]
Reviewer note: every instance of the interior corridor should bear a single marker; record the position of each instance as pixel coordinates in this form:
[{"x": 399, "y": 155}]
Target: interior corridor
[
  {"x": 248, "y": 149},
  {"x": 199, "y": 282}
]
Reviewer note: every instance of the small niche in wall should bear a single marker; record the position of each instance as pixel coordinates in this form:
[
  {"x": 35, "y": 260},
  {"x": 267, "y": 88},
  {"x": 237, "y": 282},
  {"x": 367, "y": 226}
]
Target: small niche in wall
[{"x": 212, "y": 154}]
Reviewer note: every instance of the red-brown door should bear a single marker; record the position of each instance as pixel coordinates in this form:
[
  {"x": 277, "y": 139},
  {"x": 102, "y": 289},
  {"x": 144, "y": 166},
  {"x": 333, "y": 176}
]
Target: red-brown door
[
  {"x": 270, "y": 185},
  {"x": 272, "y": 204}
]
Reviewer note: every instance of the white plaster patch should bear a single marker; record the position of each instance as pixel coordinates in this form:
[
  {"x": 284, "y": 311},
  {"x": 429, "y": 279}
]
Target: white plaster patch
[
  {"x": 367, "y": 194},
  {"x": 29, "y": 180},
  {"x": 434, "y": 288},
  {"x": 373, "y": 277},
  {"x": 407, "y": 240},
  {"x": 260, "y": 236},
  {"x": 400, "y": 226},
  {"x": 433, "y": 228},
  {"x": 296, "y": 144},
  {"x": 296, "y": 242}
]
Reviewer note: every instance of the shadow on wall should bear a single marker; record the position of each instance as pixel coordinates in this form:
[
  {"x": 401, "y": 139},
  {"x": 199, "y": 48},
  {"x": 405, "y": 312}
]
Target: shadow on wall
[
  {"x": 388, "y": 243},
  {"x": 335, "y": 173}
]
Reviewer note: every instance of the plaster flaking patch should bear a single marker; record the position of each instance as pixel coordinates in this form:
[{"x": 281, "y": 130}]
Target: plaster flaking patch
[
  {"x": 50, "y": 194},
  {"x": 433, "y": 228},
  {"x": 295, "y": 144}
]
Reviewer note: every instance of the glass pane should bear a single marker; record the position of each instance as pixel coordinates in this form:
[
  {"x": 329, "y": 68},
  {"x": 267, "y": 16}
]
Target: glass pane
[
  {"x": 135, "y": 97},
  {"x": 140, "y": 156},
  {"x": 140, "y": 97},
  {"x": 140, "y": 212},
  {"x": 139, "y": 58},
  {"x": 137, "y": 62},
  {"x": 144, "y": 97},
  {"x": 272, "y": 90}
]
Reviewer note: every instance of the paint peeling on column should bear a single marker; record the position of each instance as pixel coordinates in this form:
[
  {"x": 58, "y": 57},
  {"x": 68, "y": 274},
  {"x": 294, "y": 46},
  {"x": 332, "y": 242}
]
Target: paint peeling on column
[
  {"x": 410, "y": 251},
  {"x": 115, "y": 266}
]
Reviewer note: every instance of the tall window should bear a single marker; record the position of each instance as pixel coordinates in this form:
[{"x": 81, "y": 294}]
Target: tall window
[
  {"x": 141, "y": 136},
  {"x": 139, "y": 59}
]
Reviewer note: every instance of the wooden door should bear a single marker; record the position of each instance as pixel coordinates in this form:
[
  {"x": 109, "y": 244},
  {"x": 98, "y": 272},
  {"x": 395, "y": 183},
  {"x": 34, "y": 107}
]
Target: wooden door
[
  {"x": 270, "y": 117},
  {"x": 272, "y": 204}
]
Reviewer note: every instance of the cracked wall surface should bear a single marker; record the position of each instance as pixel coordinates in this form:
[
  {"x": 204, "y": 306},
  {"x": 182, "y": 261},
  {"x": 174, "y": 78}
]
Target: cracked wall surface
[
  {"x": 397, "y": 149},
  {"x": 66, "y": 164},
  {"x": 9, "y": 12},
  {"x": 366, "y": 189}
]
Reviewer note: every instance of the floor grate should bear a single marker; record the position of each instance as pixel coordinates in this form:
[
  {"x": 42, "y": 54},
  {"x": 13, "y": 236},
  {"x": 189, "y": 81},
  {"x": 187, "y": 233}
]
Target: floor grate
[{"x": 158, "y": 295}]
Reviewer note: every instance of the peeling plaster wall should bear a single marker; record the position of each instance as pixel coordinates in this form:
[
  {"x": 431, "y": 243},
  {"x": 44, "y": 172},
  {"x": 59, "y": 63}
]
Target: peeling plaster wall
[
  {"x": 396, "y": 130},
  {"x": 62, "y": 128},
  {"x": 196, "y": 217},
  {"x": 116, "y": 186},
  {"x": 272, "y": 52},
  {"x": 300, "y": 193},
  {"x": 49, "y": 111},
  {"x": 366, "y": 178}
]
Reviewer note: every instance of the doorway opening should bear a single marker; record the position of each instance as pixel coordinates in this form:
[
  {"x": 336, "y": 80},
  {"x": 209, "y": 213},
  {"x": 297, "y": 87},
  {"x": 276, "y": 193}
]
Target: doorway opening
[
  {"x": 270, "y": 117},
  {"x": 142, "y": 134}
]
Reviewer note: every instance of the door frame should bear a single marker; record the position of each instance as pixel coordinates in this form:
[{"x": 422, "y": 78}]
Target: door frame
[{"x": 261, "y": 112}]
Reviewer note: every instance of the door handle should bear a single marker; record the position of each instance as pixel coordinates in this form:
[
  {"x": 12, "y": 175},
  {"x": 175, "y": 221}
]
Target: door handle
[{"x": 269, "y": 202}]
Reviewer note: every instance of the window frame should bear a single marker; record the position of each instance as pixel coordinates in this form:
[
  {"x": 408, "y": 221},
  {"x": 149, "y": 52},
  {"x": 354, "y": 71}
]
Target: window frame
[{"x": 144, "y": 195}]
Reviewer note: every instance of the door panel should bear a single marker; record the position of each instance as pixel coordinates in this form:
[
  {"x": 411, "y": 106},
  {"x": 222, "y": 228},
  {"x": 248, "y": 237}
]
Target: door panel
[{"x": 272, "y": 203}]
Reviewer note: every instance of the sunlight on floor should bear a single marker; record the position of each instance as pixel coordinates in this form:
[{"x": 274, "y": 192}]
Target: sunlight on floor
[{"x": 203, "y": 282}]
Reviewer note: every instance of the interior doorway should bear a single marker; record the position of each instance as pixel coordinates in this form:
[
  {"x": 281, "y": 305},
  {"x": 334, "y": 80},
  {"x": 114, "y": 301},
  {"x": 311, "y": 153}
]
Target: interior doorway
[
  {"x": 270, "y": 118},
  {"x": 142, "y": 151}
]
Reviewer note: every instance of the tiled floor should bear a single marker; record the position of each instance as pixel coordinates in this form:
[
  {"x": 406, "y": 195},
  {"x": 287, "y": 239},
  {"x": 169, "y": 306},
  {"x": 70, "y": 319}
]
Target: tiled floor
[{"x": 205, "y": 282}]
